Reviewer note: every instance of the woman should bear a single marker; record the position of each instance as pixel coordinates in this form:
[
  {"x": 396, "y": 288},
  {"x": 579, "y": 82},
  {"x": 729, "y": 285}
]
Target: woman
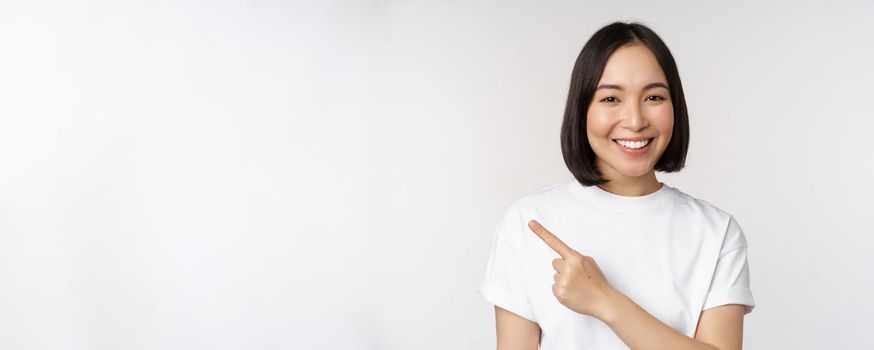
[{"x": 613, "y": 258}]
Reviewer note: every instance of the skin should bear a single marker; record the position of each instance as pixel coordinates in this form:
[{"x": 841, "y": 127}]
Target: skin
[{"x": 628, "y": 104}]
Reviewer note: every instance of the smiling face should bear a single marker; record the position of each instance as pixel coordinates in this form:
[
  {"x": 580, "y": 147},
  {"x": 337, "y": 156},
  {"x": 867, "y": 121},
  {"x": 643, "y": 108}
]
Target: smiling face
[{"x": 630, "y": 119}]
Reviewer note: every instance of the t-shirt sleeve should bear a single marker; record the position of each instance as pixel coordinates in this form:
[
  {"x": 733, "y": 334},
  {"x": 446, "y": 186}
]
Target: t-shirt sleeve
[
  {"x": 504, "y": 283},
  {"x": 731, "y": 278}
]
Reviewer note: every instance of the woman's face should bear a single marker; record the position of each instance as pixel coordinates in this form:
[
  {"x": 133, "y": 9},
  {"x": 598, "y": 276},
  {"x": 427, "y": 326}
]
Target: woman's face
[{"x": 630, "y": 119}]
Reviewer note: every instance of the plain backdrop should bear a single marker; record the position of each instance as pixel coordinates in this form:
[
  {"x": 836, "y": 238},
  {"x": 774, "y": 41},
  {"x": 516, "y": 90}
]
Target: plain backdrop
[{"x": 329, "y": 174}]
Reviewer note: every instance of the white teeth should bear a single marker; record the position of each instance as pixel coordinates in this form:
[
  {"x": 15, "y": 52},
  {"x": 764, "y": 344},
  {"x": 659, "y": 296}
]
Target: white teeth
[{"x": 633, "y": 144}]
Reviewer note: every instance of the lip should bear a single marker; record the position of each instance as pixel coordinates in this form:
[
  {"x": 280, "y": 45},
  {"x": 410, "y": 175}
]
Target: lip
[
  {"x": 634, "y": 152},
  {"x": 638, "y": 138}
]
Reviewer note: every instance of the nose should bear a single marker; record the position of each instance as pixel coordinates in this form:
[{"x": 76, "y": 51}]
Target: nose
[{"x": 633, "y": 118}]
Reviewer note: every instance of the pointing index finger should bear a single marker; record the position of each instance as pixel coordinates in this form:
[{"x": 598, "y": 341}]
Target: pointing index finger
[{"x": 550, "y": 239}]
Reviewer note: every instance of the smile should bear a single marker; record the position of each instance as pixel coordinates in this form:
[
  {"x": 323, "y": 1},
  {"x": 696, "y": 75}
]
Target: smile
[{"x": 633, "y": 147}]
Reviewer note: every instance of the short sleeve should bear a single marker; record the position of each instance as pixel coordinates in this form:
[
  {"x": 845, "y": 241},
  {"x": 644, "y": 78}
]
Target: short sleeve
[
  {"x": 731, "y": 278},
  {"x": 504, "y": 283}
]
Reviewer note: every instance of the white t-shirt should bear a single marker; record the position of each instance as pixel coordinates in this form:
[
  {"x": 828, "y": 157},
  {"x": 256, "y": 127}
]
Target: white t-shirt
[{"x": 673, "y": 254}]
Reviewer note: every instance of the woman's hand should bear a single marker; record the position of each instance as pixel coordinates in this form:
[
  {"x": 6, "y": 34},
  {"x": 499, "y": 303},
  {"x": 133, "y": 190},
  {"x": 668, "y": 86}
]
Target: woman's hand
[{"x": 579, "y": 283}]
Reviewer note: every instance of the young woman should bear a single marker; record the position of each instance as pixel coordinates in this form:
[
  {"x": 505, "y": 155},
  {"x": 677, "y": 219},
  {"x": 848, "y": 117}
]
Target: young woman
[{"x": 613, "y": 258}]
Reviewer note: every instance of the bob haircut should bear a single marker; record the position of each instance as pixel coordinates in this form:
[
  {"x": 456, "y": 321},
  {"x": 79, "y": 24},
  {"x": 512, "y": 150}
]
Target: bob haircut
[{"x": 578, "y": 154}]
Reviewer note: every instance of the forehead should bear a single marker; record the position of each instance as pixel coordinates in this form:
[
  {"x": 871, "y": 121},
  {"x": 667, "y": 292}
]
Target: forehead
[{"x": 632, "y": 65}]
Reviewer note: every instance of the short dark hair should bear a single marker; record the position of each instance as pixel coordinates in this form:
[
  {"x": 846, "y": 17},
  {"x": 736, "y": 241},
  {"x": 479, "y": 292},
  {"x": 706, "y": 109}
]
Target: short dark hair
[{"x": 578, "y": 154}]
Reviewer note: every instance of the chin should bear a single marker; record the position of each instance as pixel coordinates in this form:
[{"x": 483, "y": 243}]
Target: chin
[
  {"x": 636, "y": 172},
  {"x": 627, "y": 168}
]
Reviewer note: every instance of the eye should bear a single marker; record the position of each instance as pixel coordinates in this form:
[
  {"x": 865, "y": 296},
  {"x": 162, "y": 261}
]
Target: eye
[
  {"x": 655, "y": 98},
  {"x": 610, "y": 99}
]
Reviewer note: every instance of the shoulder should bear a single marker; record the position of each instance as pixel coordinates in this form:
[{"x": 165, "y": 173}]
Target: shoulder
[
  {"x": 715, "y": 219},
  {"x": 699, "y": 207},
  {"x": 543, "y": 197}
]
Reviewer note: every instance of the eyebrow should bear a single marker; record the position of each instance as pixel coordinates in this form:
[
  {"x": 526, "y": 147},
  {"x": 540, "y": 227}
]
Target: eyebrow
[{"x": 619, "y": 87}]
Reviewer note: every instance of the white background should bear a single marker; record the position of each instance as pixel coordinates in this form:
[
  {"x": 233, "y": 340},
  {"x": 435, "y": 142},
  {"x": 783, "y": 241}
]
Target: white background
[{"x": 328, "y": 175}]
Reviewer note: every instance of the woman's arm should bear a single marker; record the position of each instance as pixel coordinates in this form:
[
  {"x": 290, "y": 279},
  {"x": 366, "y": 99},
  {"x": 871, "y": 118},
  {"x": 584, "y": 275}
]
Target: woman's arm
[
  {"x": 515, "y": 332},
  {"x": 722, "y": 326},
  {"x": 580, "y": 286},
  {"x": 719, "y": 328}
]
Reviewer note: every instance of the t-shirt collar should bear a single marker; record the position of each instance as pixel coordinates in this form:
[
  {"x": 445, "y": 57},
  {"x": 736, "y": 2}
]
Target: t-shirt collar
[{"x": 615, "y": 202}]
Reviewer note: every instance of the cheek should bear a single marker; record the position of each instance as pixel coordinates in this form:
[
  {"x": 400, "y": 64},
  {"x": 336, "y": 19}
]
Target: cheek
[
  {"x": 663, "y": 118},
  {"x": 598, "y": 123}
]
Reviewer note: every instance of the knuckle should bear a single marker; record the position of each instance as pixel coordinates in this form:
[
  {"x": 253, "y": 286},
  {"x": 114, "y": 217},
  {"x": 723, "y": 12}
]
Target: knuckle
[{"x": 575, "y": 259}]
